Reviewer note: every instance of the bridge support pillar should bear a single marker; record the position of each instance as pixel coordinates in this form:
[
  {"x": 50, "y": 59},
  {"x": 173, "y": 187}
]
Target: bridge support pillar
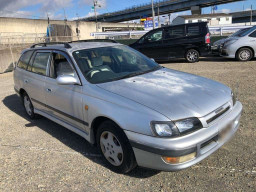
[{"x": 196, "y": 10}]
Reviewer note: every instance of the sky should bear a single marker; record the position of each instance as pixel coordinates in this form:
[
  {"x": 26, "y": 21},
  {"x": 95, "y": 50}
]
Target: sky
[{"x": 73, "y": 9}]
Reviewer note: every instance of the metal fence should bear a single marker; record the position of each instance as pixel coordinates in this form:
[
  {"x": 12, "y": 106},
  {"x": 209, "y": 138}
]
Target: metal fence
[
  {"x": 220, "y": 30},
  {"x": 12, "y": 46}
]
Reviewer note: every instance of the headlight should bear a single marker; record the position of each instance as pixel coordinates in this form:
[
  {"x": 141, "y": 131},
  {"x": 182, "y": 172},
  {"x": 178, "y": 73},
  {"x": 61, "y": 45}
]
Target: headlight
[
  {"x": 188, "y": 125},
  {"x": 164, "y": 129},
  {"x": 177, "y": 128},
  {"x": 233, "y": 98}
]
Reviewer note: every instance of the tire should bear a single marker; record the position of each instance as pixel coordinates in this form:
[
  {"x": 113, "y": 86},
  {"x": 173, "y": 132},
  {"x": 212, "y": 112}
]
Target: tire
[
  {"x": 115, "y": 148},
  {"x": 192, "y": 56},
  {"x": 28, "y": 106},
  {"x": 244, "y": 54}
]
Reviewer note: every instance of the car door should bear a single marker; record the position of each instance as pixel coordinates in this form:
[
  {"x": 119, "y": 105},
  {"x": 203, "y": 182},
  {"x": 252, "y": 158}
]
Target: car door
[
  {"x": 174, "y": 41},
  {"x": 252, "y": 41},
  {"x": 64, "y": 102},
  {"x": 34, "y": 80},
  {"x": 151, "y": 44}
]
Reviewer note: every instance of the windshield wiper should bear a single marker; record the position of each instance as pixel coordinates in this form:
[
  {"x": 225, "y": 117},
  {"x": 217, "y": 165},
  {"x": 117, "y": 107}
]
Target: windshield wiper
[{"x": 138, "y": 73}]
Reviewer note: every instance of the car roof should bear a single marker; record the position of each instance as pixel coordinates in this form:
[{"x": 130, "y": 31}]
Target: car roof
[{"x": 74, "y": 46}]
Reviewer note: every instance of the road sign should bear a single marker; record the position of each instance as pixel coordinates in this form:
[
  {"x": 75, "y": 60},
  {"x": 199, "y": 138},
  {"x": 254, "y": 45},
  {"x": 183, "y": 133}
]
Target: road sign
[
  {"x": 149, "y": 24},
  {"x": 215, "y": 7}
]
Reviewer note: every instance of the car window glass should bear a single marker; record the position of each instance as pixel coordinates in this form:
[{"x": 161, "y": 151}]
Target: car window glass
[
  {"x": 247, "y": 31},
  {"x": 24, "y": 60},
  {"x": 40, "y": 63},
  {"x": 193, "y": 30},
  {"x": 174, "y": 32},
  {"x": 60, "y": 66},
  {"x": 111, "y": 63},
  {"x": 153, "y": 37},
  {"x": 253, "y": 34}
]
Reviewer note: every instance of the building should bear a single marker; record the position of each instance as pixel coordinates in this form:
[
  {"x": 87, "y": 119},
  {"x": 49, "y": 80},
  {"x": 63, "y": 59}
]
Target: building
[{"x": 213, "y": 19}]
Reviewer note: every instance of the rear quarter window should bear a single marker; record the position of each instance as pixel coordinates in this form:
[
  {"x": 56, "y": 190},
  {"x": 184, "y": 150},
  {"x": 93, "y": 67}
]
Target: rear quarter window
[
  {"x": 174, "y": 32},
  {"x": 193, "y": 30},
  {"x": 24, "y": 60},
  {"x": 40, "y": 63}
]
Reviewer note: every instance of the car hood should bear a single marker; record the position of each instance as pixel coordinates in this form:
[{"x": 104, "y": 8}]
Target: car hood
[{"x": 175, "y": 94}]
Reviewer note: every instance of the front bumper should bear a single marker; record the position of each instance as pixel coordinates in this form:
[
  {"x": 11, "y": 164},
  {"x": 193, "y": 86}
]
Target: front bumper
[
  {"x": 149, "y": 150},
  {"x": 215, "y": 50},
  {"x": 227, "y": 52}
]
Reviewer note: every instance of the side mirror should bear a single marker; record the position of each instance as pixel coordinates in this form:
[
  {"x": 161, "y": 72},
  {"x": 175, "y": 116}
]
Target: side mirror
[{"x": 67, "y": 80}]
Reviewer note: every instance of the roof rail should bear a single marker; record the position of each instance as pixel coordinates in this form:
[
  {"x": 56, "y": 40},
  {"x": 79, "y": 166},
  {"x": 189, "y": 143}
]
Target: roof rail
[
  {"x": 66, "y": 45},
  {"x": 95, "y": 40}
]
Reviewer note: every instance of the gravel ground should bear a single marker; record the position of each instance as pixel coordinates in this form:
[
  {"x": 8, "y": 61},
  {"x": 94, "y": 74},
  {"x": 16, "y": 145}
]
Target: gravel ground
[{"x": 43, "y": 156}]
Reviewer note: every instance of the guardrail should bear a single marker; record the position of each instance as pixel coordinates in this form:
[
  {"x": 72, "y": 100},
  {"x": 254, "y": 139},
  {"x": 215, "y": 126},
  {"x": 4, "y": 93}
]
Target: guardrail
[{"x": 220, "y": 29}]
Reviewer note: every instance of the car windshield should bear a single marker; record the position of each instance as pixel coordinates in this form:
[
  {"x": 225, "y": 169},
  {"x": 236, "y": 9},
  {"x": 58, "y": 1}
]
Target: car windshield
[
  {"x": 236, "y": 34},
  {"x": 100, "y": 65},
  {"x": 247, "y": 32}
]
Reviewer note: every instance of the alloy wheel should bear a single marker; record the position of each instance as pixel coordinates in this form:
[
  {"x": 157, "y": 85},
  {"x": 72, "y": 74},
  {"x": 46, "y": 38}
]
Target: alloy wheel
[
  {"x": 244, "y": 55},
  {"x": 111, "y": 148},
  {"x": 192, "y": 56}
]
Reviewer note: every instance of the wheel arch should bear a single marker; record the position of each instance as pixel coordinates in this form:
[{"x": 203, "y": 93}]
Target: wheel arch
[
  {"x": 97, "y": 121},
  {"x": 248, "y": 47},
  {"x": 22, "y": 91}
]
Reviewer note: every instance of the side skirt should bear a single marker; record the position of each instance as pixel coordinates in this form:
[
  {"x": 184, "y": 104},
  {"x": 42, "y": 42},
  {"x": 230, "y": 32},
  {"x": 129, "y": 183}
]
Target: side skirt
[{"x": 64, "y": 124}]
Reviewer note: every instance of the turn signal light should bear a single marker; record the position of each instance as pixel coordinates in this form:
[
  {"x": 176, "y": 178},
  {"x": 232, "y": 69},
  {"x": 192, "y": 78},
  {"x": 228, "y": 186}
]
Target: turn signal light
[{"x": 182, "y": 159}]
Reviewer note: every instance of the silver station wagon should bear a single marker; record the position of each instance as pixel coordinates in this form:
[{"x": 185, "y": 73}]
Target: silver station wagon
[{"x": 136, "y": 111}]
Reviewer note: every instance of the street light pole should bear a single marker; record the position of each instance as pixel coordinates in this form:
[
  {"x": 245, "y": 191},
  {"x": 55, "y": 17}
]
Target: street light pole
[
  {"x": 95, "y": 13},
  {"x": 153, "y": 14}
]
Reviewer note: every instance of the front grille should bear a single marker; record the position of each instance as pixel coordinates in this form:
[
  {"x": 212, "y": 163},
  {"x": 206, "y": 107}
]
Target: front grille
[{"x": 218, "y": 115}]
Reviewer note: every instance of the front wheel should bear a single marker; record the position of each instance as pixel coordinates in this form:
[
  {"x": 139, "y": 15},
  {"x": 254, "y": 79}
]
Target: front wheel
[
  {"x": 244, "y": 54},
  {"x": 192, "y": 56},
  {"x": 115, "y": 148}
]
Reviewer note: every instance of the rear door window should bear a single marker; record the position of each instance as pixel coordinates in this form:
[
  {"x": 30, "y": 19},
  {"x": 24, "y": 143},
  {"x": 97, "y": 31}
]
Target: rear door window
[
  {"x": 193, "y": 30},
  {"x": 174, "y": 32},
  {"x": 40, "y": 63},
  {"x": 24, "y": 60}
]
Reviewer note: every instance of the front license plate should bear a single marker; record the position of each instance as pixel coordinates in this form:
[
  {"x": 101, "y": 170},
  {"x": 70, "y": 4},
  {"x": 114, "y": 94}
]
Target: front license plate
[{"x": 224, "y": 132}]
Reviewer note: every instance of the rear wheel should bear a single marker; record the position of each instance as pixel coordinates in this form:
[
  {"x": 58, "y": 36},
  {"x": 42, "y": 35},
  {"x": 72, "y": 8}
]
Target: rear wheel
[
  {"x": 192, "y": 56},
  {"x": 29, "y": 108},
  {"x": 244, "y": 54},
  {"x": 115, "y": 148}
]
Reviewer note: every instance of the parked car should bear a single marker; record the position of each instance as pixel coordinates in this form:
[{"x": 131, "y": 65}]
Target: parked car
[
  {"x": 217, "y": 44},
  {"x": 134, "y": 110},
  {"x": 189, "y": 41},
  {"x": 242, "y": 47}
]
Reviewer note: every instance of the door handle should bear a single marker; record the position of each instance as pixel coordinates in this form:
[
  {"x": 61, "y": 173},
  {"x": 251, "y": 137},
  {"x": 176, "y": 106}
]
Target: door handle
[
  {"x": 48, "y": 90},
  {"x": 26, "y": 81}
]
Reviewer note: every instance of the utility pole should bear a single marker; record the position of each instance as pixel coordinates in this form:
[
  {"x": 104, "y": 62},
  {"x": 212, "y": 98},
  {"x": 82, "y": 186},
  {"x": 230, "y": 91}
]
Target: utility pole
[
  {"x": 95, "y": 4},
  {"x": 153, "y": 14},
  {"x": 65, "y": 21},
  {"x": 251, "y": 16},
  {"x": 158, "y": 15}
]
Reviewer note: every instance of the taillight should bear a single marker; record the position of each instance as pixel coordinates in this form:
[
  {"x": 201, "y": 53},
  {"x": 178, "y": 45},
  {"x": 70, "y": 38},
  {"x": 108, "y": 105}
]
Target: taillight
[{"x": 208, "y": 38}]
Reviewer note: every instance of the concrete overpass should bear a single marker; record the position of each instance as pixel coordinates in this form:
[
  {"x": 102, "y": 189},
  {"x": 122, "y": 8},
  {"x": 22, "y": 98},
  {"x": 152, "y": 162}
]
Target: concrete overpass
[
  {"x": 167, "y": 6},
  {"x": 243, "y": 16}
]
